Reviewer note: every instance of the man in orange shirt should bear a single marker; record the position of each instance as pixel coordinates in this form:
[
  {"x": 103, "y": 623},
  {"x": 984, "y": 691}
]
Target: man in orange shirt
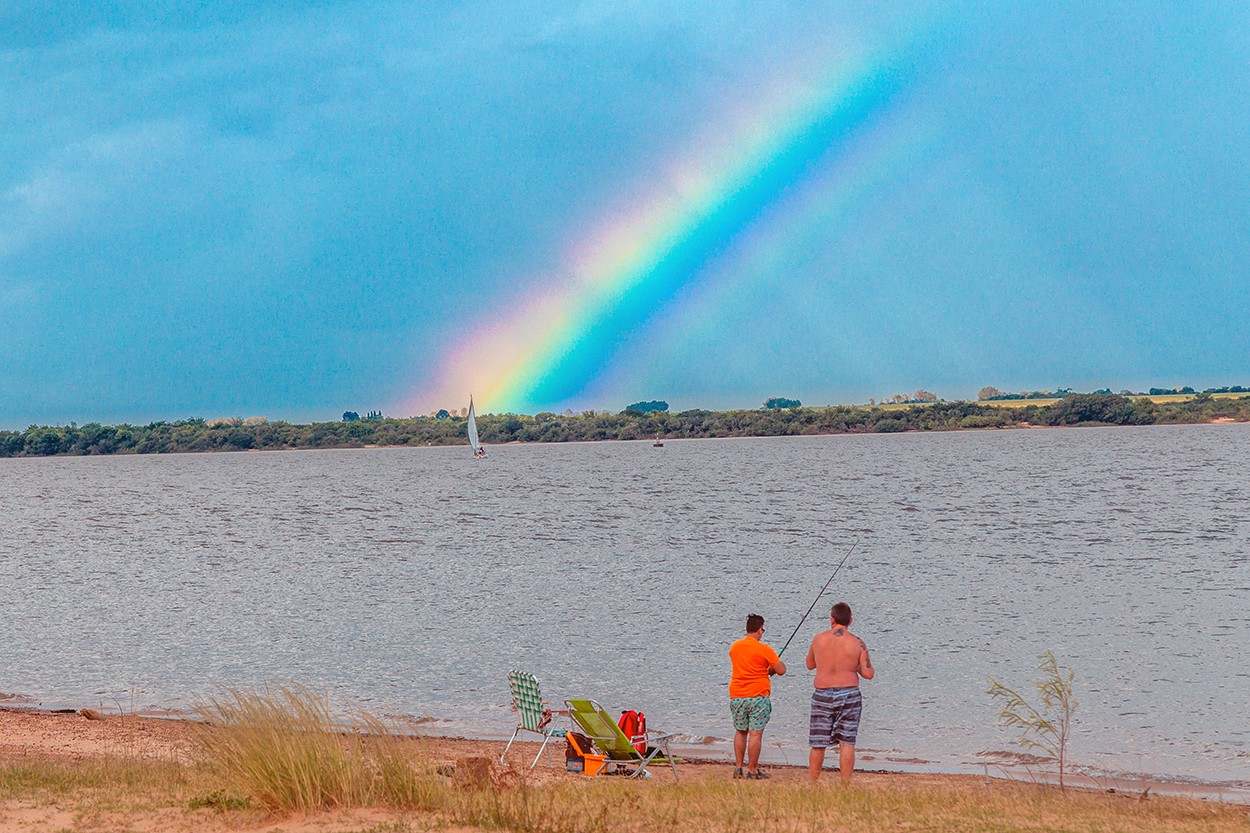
[{"x": 749, "y": 689}]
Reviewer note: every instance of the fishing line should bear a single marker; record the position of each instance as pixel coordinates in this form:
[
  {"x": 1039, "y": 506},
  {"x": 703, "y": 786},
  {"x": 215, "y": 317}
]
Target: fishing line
[{"x": 821, "y": 593}]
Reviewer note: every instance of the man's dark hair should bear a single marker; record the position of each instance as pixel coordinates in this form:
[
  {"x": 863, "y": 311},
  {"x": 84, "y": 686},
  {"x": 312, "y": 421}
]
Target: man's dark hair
[
  {"x": 754, "y": 622},
  {"x": 841, "y": 614}
]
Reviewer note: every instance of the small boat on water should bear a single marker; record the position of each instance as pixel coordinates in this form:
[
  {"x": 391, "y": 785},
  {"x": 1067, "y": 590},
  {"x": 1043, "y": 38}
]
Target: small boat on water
[
  {"x": 478, "y": 451},
  {"x": 659, "y": 443}
]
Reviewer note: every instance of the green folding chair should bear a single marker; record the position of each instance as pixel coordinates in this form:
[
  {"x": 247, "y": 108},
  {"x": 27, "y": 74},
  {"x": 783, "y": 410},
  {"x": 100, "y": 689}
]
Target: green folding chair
[
  {"x": 532, "y": 713},
  {"x": 595, "y": 723}
]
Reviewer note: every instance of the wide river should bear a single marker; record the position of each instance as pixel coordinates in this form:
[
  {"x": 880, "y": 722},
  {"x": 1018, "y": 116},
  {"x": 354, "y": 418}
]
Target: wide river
[{"x": 409, "y": 581}]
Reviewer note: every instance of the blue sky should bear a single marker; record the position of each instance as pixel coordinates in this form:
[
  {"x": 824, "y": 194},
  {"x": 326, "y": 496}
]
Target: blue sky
[{"x": 212, "y": 209}]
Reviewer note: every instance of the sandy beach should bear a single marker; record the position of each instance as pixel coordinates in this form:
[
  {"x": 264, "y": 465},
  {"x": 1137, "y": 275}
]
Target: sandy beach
[{"x": 69, "y": 772}]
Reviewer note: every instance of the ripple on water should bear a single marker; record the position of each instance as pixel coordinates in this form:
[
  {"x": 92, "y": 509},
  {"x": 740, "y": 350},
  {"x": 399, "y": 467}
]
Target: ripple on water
[{"x": 414, "y": 579}]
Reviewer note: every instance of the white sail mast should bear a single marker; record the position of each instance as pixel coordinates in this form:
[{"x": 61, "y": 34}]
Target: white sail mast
[{"x": 473, "y": 443}]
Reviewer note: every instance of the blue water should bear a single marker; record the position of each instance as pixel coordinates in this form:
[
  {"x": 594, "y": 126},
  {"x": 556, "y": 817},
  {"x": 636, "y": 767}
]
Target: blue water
[{"x": 410, "y": 581}]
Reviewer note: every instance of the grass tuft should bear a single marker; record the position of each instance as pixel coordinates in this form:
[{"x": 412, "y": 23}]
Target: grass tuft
[
  {"x": 35, "y": 777},
  {"x": 282, "y": 747},
  {"x": 280, "y": 751}
]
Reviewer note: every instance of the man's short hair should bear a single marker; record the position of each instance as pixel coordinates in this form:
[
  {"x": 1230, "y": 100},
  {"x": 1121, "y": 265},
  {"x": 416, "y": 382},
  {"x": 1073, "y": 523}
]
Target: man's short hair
[
  {"x": 841, "y": 614},
  {"x": 754, "y": 622}
]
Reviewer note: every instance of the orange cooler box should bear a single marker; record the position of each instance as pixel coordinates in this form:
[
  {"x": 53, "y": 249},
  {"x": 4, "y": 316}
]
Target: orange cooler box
[
  {"x": 579, "y": 756},
  {"x": 594, "y": 764}
]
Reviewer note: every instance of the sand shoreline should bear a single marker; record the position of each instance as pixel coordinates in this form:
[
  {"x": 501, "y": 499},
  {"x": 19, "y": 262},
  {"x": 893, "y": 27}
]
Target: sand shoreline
[
  {"x": 64, "y": 772},
  {"x": 35, "y": 732}
]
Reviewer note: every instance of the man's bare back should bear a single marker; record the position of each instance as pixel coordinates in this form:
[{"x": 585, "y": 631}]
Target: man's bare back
[{"x": 840, "y": 658}]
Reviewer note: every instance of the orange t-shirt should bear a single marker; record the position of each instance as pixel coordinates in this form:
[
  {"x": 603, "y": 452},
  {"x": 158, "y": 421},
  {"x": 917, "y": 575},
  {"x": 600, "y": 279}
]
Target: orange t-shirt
[{"x": 751, "y": 659}]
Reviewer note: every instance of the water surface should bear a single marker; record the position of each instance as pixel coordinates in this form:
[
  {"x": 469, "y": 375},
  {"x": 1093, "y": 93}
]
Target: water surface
[{"x": 412, "y": 580}]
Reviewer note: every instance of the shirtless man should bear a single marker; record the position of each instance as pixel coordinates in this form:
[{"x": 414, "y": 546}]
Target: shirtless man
[{"x": 839, "y": 658}]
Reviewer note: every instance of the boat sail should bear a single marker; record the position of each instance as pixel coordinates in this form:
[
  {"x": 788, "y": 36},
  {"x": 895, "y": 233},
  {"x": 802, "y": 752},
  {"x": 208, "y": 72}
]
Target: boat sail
[{"x": 478, "y": 451}]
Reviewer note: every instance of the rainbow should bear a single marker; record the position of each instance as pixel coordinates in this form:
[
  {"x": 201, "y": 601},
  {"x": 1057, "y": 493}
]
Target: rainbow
[{"x": 553, "y": 347}]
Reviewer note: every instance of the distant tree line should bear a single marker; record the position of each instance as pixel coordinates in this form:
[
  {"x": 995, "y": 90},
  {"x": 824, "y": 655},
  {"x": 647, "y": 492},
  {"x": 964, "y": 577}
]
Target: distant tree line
[
  {"x": 921, "y": 395},
  {"x": 991, "y": 393},
  {"x": 352, "y": 416},
  {"x": 647, "y": 407},
  {"x": 255, "y": 434}
]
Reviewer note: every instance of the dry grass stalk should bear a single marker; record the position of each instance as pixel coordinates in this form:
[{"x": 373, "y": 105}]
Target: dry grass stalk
[
  {"x": 614, "y": 806},
  {"x": 147, "y": 795},
  {"x": 280, "y": 750},
  {"x": 1046, "y": 727},
  {"x": 282, "y": 747}
]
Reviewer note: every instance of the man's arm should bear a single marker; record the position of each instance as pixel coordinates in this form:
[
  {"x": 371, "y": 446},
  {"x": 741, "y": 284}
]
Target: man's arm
[
  {"x": 778, "y": 668},
  {"x": 811, "y": 657},
  {"x": 865, "y": 662}
]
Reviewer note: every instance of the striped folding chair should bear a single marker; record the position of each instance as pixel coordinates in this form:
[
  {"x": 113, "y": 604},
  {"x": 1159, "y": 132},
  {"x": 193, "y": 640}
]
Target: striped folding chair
[{"x": 533, "y": 715}]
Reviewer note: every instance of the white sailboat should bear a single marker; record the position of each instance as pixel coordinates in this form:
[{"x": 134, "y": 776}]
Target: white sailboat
[{"x": 478, "y": 451}]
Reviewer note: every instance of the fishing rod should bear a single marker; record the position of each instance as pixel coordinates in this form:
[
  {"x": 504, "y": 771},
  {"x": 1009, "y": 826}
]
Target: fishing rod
[{"x": 822, "y": 592}]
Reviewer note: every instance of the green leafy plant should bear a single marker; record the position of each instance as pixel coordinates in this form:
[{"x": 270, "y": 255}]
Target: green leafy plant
[{"x": 1047, "y": 726}]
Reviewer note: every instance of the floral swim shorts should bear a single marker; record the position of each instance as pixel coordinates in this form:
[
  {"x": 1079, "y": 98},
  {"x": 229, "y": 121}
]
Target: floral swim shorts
[{"x": 751, "y": 713}]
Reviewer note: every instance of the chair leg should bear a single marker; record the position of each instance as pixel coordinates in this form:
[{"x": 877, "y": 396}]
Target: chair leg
[
  {"x": 546, "y": 738},
  {"x": 509, "y": 746},
  {"x": 640, "y": 766},
  {"x": 662, "y": 750}
]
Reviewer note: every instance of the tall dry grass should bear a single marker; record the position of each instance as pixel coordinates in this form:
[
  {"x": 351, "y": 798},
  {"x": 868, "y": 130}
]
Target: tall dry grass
[
  {"x": 611, "y": 806},
  {"x": 283, "y": 748},
  {"x": 148, "y": 795},
  {"x": 145, "y": 795},
  {"x": 26, "y": 777}
]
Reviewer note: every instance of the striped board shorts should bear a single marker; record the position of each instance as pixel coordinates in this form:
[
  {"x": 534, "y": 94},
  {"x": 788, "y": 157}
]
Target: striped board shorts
[{"x": 835, "y": 716}]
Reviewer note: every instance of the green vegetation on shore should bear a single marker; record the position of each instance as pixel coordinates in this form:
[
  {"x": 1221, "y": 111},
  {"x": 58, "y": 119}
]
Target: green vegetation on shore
[
  {"x": 241, "y": 435},
  {"x": 279, "y": 754},
  {"x": 142, "y": 795}
]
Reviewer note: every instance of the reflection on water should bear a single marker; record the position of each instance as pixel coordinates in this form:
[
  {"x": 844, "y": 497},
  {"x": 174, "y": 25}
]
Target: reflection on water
[{"x": 412, "y": 580}]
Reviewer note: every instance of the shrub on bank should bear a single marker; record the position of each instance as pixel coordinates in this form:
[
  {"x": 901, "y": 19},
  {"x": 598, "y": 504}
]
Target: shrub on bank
[{"x": 197, "y": 435}]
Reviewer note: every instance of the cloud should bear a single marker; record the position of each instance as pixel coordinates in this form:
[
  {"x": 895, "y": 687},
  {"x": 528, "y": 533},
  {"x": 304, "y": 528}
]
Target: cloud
[{"x": 301, "y": 207}]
